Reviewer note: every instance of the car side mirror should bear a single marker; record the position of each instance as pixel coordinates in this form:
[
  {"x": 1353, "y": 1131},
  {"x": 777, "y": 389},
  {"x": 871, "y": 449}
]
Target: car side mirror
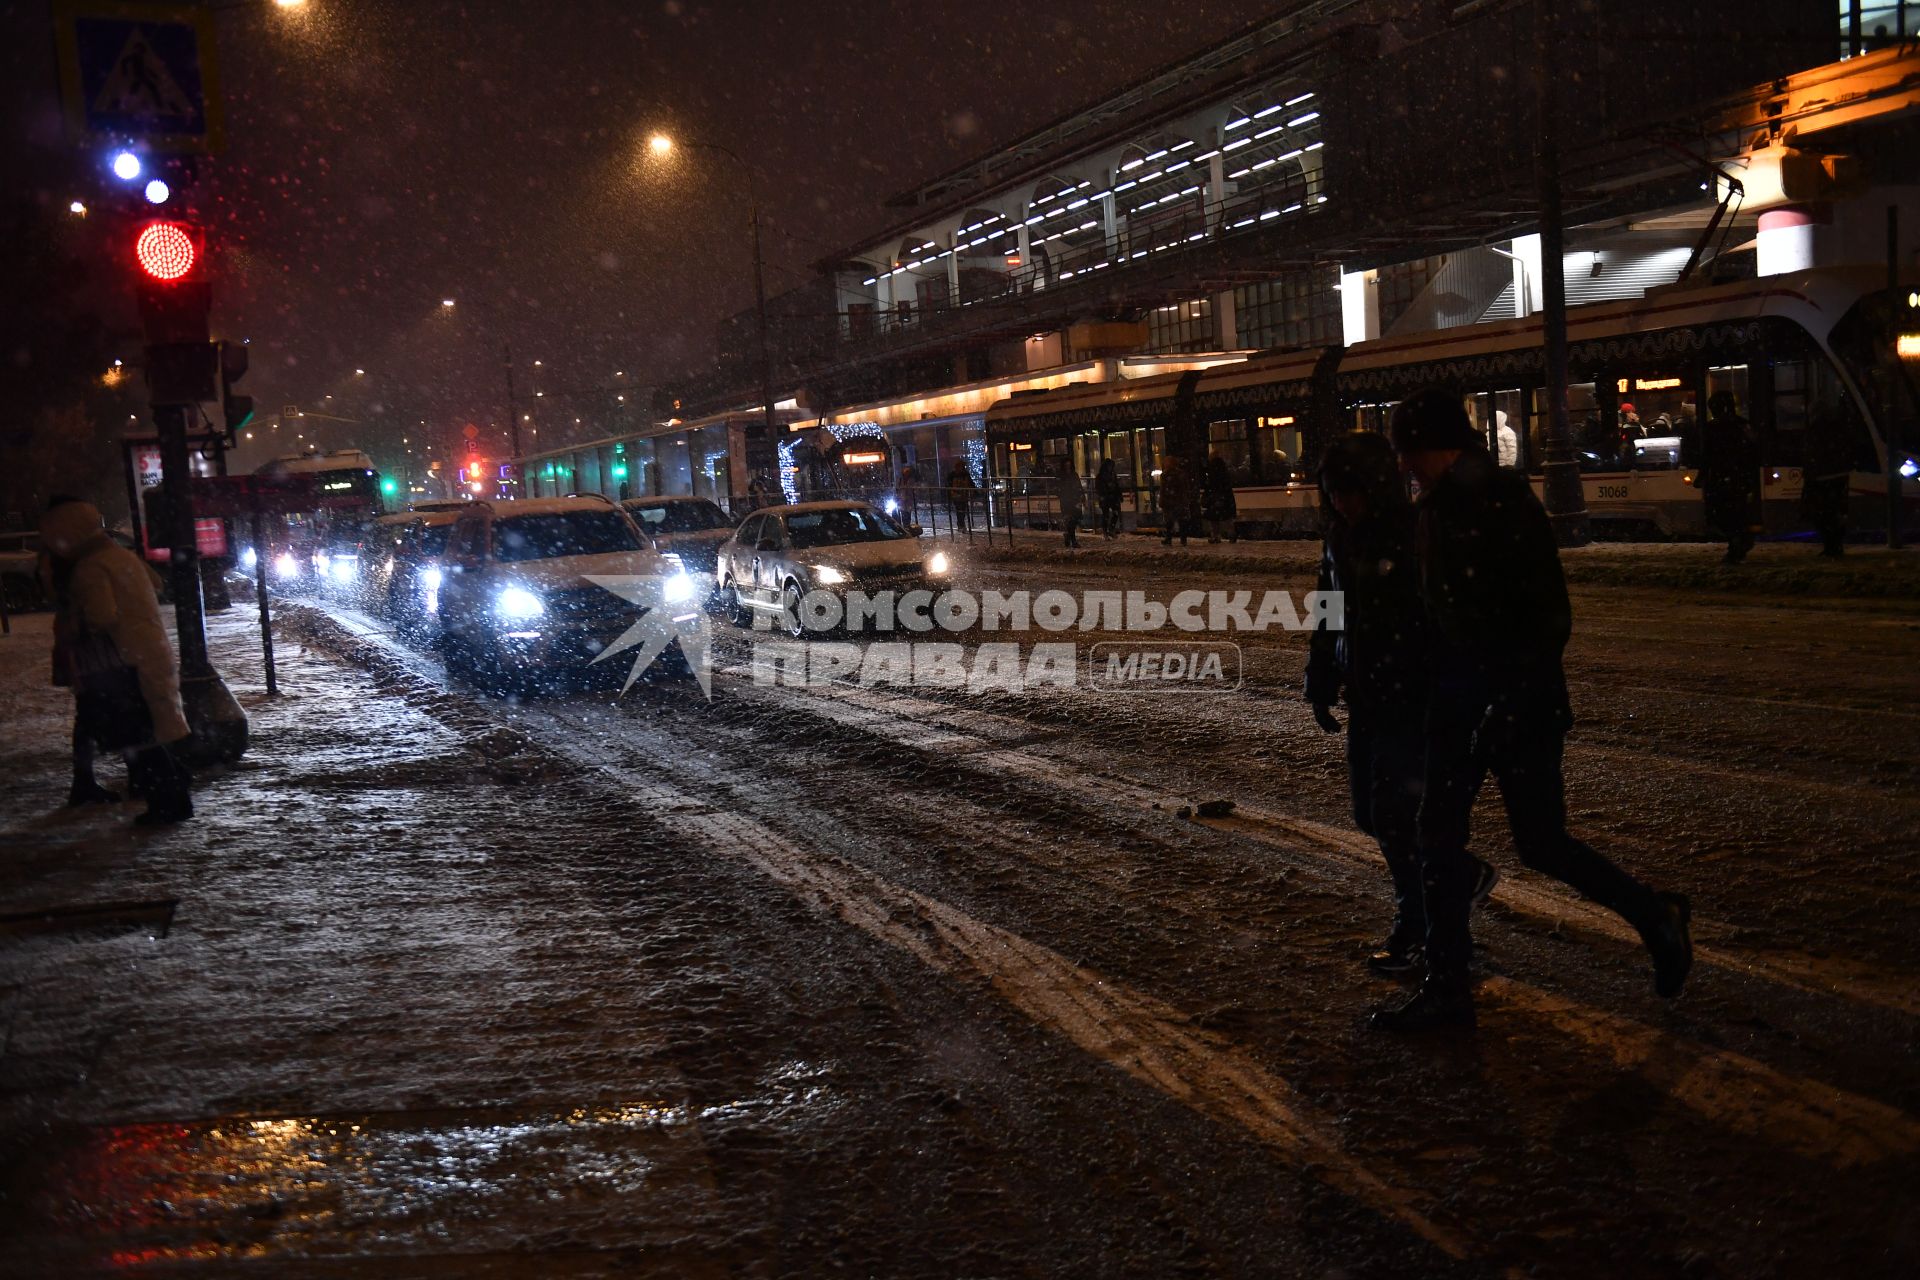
[{"x": 766, "y": 544}]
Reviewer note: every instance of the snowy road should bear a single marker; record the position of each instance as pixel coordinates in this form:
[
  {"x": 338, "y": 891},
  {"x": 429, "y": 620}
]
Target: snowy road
[{"x": 908, "y": 982}]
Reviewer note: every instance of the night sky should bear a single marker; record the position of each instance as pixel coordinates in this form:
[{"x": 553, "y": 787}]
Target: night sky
[{"x": 383, "y": 156}]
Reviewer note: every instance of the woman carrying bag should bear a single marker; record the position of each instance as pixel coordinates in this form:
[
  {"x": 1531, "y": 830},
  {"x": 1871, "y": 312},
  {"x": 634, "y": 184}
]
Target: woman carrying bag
[{"x": 125, "y": 680}]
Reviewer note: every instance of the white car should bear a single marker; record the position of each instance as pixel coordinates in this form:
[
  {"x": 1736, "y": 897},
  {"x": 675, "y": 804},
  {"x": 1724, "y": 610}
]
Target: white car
[
  {"x": 779, "y": 554},
  {"x": 515, "y": 597}
]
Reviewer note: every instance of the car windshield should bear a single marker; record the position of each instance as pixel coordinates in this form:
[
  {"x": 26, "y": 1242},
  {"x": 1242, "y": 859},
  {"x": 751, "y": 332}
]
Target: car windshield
[
  {"x": 841, "y": 524},
  {"x": 681, "y": 517},
  {"x": 566, "y": 533},
  {"x": 433, "y": 539}
]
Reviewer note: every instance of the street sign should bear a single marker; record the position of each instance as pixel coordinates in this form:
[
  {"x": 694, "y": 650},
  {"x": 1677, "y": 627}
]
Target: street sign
[{"x": 140, "y": 73}]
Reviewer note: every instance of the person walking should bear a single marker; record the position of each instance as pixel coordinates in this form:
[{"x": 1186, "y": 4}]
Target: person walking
[
  {"x": 1729, "y": 466},
  {"x": 1106, "y": 487},
  {"x": 1177, "y": 499},
  {"x": 960, "y": 492},
  {"x": 1219, "y": 506},
  {"x": 1073, "y": 501},
  {"x": 123, "y": 665},
  {"x": 1497, "y": 601},
  {"x": 1377, "y": 661}
]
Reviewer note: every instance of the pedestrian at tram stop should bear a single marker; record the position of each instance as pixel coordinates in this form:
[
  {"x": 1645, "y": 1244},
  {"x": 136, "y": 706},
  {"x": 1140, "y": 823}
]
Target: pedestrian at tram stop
[
  {"x": 1497, "y": 600},
  {"x": 960, "y": 492},
  {"x": 1106, "y": 487},
  {"x": 124, "y": 674},
  {"x": 1178, "y": 500},
  {"x": 1217, "y": 502},
  {"x": 56, "y": 579},
  {"x": 1827, "y": 477},
  {"x": 1377, "y": 662},
  {"x": 1073, "y": 501},
  {"x": 1729, "y": 470}
]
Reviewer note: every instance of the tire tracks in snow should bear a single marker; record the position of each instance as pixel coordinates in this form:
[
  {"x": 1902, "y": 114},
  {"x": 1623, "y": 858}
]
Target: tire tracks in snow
[{"x": 1148, "y": 1040}]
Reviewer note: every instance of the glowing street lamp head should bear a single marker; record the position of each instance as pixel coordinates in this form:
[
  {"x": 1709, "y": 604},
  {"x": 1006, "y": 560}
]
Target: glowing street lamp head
[
  {"x": 447, "y": 303},
  {"x": 126, "y": 166},
  {"x": 158, "y": 191},
  {"x": 660, "y": 144}
]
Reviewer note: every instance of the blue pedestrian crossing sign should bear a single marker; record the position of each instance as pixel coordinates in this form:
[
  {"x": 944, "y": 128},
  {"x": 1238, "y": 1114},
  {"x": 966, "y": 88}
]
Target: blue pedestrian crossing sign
[{"x": 139, "y": 73}]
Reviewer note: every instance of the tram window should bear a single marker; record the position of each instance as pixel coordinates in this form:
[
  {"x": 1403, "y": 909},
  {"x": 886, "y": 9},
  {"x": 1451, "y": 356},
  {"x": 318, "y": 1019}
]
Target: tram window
[
  {"x": 1276, "y": 449},
  {"x": 1228, "y": 439},
  {"x": 1787, "y": 446},
  {"x": 1593, "y": 446},
  {"x": 1119, "y": 447},
  {"x": 1654, "y": 411},
  {"x": 1496, "y": 416},
  {"x": 1374, "y": 417}
]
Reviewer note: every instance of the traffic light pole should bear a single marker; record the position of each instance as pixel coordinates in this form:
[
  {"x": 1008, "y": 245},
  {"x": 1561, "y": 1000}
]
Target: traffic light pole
[{"x": 219, "y": 726}]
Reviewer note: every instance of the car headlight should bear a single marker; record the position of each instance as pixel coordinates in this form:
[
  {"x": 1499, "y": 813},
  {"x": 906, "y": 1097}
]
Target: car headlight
[
  {"x": 938, "y": 562},
  {"x": 828, "y": 576},
  {"x": 677, "y": 589},
  {"x": 431, "y": 578},
  {"x": 893, "y": 506},
  {"x": 249, "y": 557},
  {"x": 344, "y": 568},
  {"x": 286, "y": 566},
  {"x": 517, "y": 604}
]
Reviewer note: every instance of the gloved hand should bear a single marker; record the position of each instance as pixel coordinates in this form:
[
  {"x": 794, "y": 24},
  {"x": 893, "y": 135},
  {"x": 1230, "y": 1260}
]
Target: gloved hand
[{"x": 1323, "y": 716}]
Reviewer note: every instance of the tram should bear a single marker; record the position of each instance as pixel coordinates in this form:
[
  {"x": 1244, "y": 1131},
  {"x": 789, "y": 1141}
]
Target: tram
[{"x": 1810, "y": 359}]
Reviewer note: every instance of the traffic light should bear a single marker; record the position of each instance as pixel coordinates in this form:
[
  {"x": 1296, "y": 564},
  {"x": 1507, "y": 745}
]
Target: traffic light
[
  {"x": 389, "y": 486},
  {"x": 237, "y": 410},
  {"x": 171, "y": 279}
]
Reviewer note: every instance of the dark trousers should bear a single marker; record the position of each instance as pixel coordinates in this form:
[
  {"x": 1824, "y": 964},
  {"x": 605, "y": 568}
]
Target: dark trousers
[
  {"x": 1386, "y": 761},
  {"x": 1110, "y": 516},
  {"x": 1526, "y": 761}
]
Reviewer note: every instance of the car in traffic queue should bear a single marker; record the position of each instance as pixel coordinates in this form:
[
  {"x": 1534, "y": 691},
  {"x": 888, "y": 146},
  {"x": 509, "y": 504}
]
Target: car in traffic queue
[
  {"x": 402, "y": 575},
  {"x": 779, "y": 554},
  {"x": 516, "y": 601},
  {"x": 691, "y": 528}
]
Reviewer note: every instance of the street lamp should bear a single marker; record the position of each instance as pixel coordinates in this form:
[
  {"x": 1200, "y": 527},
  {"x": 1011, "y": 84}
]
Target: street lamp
[
  {"x": 446, "y": 304},
  {"x": 662, "y": 145}
]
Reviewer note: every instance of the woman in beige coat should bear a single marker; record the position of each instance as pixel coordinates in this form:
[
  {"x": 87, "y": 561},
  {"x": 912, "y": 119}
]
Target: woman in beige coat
[{"x": 111, "y": 594}]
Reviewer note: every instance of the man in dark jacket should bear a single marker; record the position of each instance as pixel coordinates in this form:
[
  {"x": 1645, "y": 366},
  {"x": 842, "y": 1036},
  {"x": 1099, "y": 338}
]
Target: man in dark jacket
[
  {"x": 1490, "y": 575},
  {"x": 1379, "y": 660},
  {"x": 1729, "y": 465}
]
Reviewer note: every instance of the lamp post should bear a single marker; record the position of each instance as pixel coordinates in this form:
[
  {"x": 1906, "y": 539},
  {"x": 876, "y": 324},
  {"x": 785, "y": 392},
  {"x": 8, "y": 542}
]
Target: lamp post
[{"x": 662, "y": 145}]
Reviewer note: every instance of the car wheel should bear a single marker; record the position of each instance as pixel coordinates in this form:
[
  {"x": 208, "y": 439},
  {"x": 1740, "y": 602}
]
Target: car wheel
[
  {"x": 791, "y": 621},
  {"x": 737, "y": 611}
]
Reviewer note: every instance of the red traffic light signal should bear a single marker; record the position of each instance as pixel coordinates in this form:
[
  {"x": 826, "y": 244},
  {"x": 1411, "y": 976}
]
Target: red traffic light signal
[
  {"x": 166, "y": 251},
  {"x": 175, "y": 294}
]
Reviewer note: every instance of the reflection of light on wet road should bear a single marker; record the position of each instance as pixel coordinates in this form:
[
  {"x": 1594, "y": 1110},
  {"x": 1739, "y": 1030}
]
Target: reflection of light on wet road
[{"x": 384, "y": 1184}]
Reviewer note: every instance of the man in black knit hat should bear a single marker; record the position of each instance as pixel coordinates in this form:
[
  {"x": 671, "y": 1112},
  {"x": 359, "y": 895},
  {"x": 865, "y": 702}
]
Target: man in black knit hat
[{"x": 1496, "y": 598}]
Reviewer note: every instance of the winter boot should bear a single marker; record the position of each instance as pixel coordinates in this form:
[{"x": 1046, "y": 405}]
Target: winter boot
[
  {"x": 1442, "y": 1003},
  {"x": 1668, "y": 939},
  {"x": 169, "y": 789},
  {"x": 86, "y": 791},
  {"x": 1402, "y": 952}
]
